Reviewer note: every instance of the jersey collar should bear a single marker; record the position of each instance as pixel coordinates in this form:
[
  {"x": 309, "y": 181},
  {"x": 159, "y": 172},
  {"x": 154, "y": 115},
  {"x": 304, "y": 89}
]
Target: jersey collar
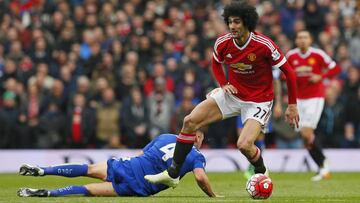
[
  {"x": 245, "y": 45},
  {"x": 307, "y": 53}
]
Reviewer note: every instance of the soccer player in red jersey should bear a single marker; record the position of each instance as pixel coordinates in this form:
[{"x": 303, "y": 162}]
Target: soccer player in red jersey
[
  {"x": 249, "y": 57},
  {"x": 311, "y": 66}
]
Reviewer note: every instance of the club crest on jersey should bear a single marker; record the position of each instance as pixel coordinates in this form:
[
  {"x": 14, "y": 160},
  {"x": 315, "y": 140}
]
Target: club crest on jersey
[
  {"x": 311, "y": 61},
  {"x": 241, "y": 66},
  {"x": 251, "y": 57}
]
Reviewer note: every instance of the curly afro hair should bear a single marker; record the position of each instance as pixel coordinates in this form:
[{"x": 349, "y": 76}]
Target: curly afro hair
[{"x": 241, "y": 9}]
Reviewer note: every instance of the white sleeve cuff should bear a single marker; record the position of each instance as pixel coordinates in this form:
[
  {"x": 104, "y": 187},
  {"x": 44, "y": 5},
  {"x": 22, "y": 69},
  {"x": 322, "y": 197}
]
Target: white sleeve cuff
[{"x": 280, "y": 63}]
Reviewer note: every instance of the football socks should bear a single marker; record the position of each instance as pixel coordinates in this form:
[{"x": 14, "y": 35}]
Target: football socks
[
  {"x": 69, "y": 190},
  {"x": 67, "y": 170}
]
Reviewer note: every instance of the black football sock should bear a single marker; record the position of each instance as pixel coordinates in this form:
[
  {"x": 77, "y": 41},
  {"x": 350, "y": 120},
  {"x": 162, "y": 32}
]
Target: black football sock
[
  {"x": 181, "y": 151},
  {"x": 259, "y": 165},
  {"x": 317, "y": 154}
]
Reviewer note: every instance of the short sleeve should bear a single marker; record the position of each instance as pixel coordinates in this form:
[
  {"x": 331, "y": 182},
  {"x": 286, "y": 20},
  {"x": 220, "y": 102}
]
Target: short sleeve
[
  {"x": 326, "y": 60},
  {"x": 277, "y": 57},
  {"x": 199, "y": 161}
]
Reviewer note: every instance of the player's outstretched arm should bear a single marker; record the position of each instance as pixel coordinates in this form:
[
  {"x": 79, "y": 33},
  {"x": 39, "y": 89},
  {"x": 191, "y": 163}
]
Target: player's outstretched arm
[
  {"x": 203, "y": 181},
  {"x": 291, "y": 113}
]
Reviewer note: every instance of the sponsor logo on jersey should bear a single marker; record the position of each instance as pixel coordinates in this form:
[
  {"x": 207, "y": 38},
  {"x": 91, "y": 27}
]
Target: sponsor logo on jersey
[
  {"x": 296, "y": 62},
  {"x": 242, "y": 68},
  {"x": 251, "y": 57},
  {"x": 303, "y": 70},
  {"x": 229, "y": 55}
]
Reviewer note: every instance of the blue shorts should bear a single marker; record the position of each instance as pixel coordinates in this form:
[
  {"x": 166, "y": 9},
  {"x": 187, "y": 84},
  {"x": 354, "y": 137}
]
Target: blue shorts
[{"x": 123, "y": 179}]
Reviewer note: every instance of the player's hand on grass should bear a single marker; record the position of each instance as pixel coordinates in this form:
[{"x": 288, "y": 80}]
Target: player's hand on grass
[
  {"x": 230, "y": 89},
  {"x": 292, "y": 115}
]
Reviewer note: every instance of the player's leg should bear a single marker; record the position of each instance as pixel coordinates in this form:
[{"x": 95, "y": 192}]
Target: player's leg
[
  {"x": 93, "y": 189},
  {"x": 245, "y": 144},
  {"x": 98, "y": 170},
  {"x": 316, "y": 153},
  {"x": 101, "y": 189},
  {"x": 203, "y": 114},
  {"x": 259, "y": 143},
  {"x": 255, "y": 116},
  {"x": 310, "y": 112},
  {"x": 67, "y": 170}
]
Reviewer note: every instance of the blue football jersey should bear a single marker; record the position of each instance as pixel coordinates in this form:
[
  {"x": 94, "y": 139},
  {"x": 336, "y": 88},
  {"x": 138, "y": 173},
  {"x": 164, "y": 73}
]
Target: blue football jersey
[{"x": 158, "y": 156}]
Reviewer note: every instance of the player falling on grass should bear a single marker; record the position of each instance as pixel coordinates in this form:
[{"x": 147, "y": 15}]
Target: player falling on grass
[
  {"x": 250, "y": 57},
  {"x": 125, "y": 176},
  {"x": 311, "y": 66}
]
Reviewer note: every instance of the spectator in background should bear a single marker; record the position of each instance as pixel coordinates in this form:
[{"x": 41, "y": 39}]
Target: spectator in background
[
  {"x": 108, "y": 131},
  {"x": 9, "y": 72},
  {"x": 135, "y": 120},
  {"x": 105, "y": 69},
  {"x": 288, "y": 16},
  {"x": 352, "y": 111},
  {"x": 51, "y": 129},
  {"x": 40, "y": 52},
  {"x": 82, "y": 87},
  {"x": 9, "y": 118},
  {"x": 189, "y": 80},
  {"x": 313, "y": 17},
  {"x": 183, "y": 109},
  {"x": 57, "y": 97},
  {"x": 126, "y": 78},
  {"x": 41, "y": 77},
  {"x": 32, "y": 108},
  {"x": 159, "y": 71},
  {"x": 160, "y": 105},
  {"x": 100, "y": 85},
  {"x": 80, "y": 124},
  {"x": 331, "y": 125}
]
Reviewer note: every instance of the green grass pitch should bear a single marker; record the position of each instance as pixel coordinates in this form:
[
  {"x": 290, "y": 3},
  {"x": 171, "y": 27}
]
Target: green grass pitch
[{"x": 288, "y": 187}]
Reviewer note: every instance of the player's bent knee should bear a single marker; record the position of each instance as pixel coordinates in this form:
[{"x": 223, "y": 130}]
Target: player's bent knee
[{"x": 244, "y": 145}]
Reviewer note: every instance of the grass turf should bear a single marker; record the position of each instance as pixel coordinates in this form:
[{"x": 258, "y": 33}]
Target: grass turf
[{"x": 288, "y": 187}]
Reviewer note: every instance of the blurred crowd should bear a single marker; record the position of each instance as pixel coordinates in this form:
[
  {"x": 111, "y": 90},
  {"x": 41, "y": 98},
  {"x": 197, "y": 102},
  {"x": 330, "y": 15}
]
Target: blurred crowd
[{"x": 112, "y": 74}]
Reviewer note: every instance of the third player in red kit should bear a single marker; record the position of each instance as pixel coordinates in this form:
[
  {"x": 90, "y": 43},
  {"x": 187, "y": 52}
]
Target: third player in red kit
[{"x": 311, "y": 65}]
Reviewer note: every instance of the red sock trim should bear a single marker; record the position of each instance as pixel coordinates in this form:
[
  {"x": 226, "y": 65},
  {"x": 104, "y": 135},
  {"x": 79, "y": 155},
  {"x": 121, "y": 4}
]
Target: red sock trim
[
  {"x": 256, "y": 156},
  {"x": 186, "y": 137},
  {"x": 188, "y": 134}
]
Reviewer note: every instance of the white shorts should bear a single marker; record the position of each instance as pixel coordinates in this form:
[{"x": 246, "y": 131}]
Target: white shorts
[
  {"x": 310, "y": 111},
  {"x": 231, "y": 106}
]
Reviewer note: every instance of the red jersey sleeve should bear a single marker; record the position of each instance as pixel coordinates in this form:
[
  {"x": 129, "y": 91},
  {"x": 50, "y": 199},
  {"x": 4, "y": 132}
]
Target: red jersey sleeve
[
  {"x": 219, "y": 47},
  {"x": 277, "y": 58},
  {"x": 218, "y": 59},
  {"x": 331, "y": 66}
]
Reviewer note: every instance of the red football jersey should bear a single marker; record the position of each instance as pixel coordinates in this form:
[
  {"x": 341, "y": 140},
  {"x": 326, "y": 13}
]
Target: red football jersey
[
  {"x": 250, "y": 66},
  {"x": 314, "y": 61}
]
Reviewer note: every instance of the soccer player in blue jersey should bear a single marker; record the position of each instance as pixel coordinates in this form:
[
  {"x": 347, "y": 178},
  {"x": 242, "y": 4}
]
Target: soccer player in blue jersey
[{"x": 124, "y": 176}]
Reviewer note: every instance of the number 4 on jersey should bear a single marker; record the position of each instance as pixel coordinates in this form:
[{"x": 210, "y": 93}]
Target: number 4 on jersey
[{"x": 168, "y": 151}]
